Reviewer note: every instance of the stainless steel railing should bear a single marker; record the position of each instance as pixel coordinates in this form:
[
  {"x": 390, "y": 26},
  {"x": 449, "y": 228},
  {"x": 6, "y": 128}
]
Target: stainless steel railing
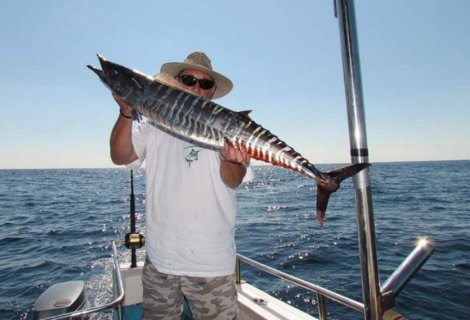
[
  {"x": 321, "y": 292},
  {"x": 389, "y": 290},
  {"x": 115, "y": 303}
]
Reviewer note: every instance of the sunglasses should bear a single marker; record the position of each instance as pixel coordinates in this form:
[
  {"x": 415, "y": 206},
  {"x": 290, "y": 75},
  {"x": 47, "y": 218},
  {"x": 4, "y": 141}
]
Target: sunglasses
[{"x": 191, "y": 81}]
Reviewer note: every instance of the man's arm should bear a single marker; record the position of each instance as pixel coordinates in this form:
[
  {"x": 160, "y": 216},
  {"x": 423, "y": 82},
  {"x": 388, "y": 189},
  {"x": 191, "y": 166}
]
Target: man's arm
[
  {"x": 122, "y": 150},
  {"x": 233, "y": 165}
]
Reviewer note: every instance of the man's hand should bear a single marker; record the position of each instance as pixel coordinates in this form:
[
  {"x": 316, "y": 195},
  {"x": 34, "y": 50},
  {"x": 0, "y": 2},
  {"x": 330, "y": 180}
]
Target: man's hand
[
  {"x": 123, "y": 105},
  {"x": 232, "y": 154},
  {"x": 233, "y": 165}
]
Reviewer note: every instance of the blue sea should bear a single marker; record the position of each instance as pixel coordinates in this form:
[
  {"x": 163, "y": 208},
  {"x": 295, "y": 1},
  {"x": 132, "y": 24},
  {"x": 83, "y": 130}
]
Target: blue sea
[{"x": 57, "y": 225}]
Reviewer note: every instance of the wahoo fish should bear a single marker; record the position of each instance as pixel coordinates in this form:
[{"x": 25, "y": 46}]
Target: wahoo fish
[{"x": 209, "y": 125}]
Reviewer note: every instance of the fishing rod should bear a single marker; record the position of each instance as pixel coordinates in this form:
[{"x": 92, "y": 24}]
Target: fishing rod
[{"x": 133, "y": 240}]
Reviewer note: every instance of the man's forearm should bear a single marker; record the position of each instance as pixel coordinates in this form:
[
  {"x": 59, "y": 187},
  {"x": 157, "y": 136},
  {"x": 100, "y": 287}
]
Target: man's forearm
[
  {"x": 122, "y": 150},
  {"x": 232, "y": 173}
]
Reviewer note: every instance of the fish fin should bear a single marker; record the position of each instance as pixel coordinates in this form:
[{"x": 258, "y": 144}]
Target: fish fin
[
  {"x": 346, "y": 172},
  {"x": 323, "y": 195},
  {"x": 325, "y": 189},
  {"x": 246, "y": 113},
  {"x": 137, "y": 116}
]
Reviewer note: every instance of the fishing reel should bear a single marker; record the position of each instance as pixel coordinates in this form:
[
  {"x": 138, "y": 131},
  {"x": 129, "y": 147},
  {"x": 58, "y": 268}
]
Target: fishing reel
[{"x": 134, "y": 240}]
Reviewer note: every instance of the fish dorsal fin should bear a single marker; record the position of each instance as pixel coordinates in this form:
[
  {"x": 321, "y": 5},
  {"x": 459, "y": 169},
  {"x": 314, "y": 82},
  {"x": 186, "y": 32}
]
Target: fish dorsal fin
[{"x": 245, "y": 113}]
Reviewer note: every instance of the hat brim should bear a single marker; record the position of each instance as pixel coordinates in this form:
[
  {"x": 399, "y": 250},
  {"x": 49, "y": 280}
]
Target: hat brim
[
  {"x": 170, "y": 81},
  {"x": 224, "y": 85}
]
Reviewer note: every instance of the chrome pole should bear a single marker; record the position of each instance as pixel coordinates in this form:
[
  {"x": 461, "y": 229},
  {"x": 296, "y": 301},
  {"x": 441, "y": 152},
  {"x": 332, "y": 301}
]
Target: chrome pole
[
  {"x": 408, "y": 268},
  {"x": 359, "y": 153}
]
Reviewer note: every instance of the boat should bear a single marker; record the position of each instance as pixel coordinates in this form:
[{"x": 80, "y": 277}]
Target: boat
[{"x": 68, "y": 300}]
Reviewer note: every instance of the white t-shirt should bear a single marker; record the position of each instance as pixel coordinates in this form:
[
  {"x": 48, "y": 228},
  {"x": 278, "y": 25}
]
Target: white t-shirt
[{"x": 190, "y": 212}]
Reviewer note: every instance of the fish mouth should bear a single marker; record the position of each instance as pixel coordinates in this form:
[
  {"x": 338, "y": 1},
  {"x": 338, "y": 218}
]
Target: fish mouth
[
  {"x": 119, "y": 79},
  {"x": 101, "y": 72}
]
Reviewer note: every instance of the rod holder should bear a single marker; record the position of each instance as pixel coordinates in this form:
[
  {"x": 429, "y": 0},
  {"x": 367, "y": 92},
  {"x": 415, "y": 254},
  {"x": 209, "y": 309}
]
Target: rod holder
[{"x": 407, "y": 269}]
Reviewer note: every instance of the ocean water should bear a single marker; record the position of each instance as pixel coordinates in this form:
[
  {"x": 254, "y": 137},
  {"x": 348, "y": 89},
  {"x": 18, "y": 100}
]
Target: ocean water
[{"x": 57, "y": 225}]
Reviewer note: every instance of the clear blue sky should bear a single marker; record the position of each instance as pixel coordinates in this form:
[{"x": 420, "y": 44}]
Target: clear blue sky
[{"x": 283, "y": 57}]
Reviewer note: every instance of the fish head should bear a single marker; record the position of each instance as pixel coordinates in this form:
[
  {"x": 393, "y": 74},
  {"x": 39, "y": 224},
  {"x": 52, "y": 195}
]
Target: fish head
[{"x": 121, "y": 80}]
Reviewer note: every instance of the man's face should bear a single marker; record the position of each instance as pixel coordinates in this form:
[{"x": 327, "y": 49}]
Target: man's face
[{"x": 189, "y": 75}]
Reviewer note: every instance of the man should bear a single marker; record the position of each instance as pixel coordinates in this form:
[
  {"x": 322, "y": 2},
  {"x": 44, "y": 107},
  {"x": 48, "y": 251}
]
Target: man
[{"x": 190, "y": 205}]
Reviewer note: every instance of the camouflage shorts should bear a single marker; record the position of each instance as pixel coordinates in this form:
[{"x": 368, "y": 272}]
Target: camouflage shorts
[{"x": 208, "y": 298}]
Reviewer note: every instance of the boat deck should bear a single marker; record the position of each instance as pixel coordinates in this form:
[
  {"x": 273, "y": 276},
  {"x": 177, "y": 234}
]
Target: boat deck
[
  {"x": 256, "y": 304},
  {"x": 253, "y": 303}
]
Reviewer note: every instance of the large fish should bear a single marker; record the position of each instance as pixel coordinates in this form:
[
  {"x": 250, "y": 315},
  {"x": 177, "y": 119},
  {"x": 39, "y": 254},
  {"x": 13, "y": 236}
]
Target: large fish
[{"x": 208, "y": 124}]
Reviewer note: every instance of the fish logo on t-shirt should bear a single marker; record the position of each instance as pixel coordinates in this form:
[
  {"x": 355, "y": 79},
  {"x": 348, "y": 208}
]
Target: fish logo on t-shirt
[{"x": 193, "y": 155}]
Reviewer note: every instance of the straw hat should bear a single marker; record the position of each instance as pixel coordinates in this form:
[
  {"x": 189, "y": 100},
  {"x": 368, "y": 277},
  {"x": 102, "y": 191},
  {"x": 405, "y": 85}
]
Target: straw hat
[{"x": 200, "y": 61}]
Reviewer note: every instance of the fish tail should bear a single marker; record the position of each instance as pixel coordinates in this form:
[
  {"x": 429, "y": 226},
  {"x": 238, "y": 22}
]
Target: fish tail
[{"x": 331, "y": 184}]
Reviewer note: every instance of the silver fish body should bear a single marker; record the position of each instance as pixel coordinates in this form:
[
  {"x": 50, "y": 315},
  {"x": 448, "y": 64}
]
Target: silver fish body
[{"x": 208, "y": 124}]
